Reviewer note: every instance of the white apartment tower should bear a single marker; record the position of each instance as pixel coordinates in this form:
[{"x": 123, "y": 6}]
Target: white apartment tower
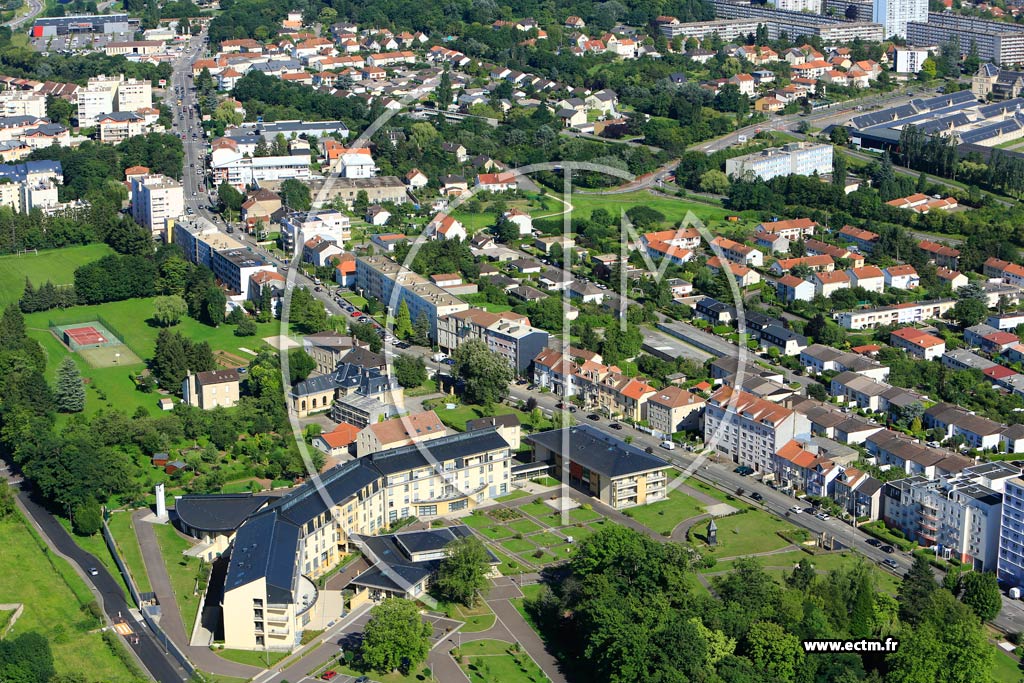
[
  {"x": 894, "y": 15},
  {"x": 155, "y": 199},
  {"x": 107, "y": 94}
]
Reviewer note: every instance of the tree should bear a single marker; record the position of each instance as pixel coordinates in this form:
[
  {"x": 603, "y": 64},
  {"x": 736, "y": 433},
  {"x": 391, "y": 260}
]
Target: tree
[
  {"x": 403, "y": 321},
  {"x": 361, "y": 203},
  {"x": 367, "y": 333},
  {"x": 26, "y": 659},
  {"x": 87, "y": 518},
  {"x": 929, "y": 69},
  {"x": 169, "y": 310},
  {"x": 981, "y": 594},
  {"x": 486, "y": 374},
  {"x": 777, "y": 653},
  {"x": 421, "y": 329},
  {"x": 395, "y": 637},
  {"x": 230, "y": 198},
  {"x": 968, "y": 312},
  {"x": 308, "y": 314},
  {"x": 462, "y": 573},
  {"x": 246, "y": 328},
  {"x": 839, "y": 135},
  {"x": 214, "y": 303},
  {"x": 410, "y": 371},
  {"x": 69, "y": 394},
  {"x": 824, "y": 331},
  {"x": 714, "y": 182},
  {"x": 226, "y": 114},
  {"x": 915, "y": 589},
  {"x": 300, "y": 364},
  {"x": 295, "y": 194},
  {"x": 170, "y": 360}
]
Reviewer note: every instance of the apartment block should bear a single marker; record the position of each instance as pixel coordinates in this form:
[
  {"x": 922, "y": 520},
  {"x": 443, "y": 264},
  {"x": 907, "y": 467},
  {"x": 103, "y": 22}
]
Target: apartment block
[
  {"x": 898, "y": 314},
  {"x": 299, "y": 226},
  {"x": 996, "y": 41},
  {"x": 391, "y": 283},
  {"x": 108, "y": 94},
  {"x": 22, "y": 103},
  {"x": 156, "y": 199},
  {"x": 674, "y": 409},
  {"x": 894, "y": 15},
  {"x": 509, "y": 334},
  {"x": 795, "y": 23},
  {"x": 1010, "y": 564},
  {"x": 749, "y": 430},
  {"x": 796, "y": 158}
]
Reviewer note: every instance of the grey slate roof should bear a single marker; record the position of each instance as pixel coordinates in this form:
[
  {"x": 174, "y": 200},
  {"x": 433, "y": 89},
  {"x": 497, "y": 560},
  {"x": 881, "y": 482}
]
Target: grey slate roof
[
  {"x": 222, "y": 512},
  {"x": 599, "y": 452}
]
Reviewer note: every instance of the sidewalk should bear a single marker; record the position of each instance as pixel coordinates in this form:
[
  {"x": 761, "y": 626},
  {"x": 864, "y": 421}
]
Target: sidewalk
[{"x": 170, "y": 616}]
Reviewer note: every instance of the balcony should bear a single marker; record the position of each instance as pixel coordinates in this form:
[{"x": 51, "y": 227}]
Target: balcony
[{"x": 307, "y": 595}]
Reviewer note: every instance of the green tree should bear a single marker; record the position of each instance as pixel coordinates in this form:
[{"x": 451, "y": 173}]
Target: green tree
[
  {"x": 714, "y": 182},
  {"x": 225, "y": 113},
  {"x": 774, "y": 651},
  {"x": 307, "y": 313},
  {"x": 421, "y": 329},
  {"x": 367, "y": 333},
  {"x": 915, "y": 589},
  {"x": 170, "y": 361},
  {"x": 410, "y": 371},
  {"x": 968, "y": 312},
  {"x": 825, "y": 331},
  {"x": 403, "y": 321},
  {"x": 486, "y": 374},
  {"x": 246, "y": 328},
  {"x": 395, "y": 637},
  {"x": 87, "y": 518},
  {"x": 839, "y": 135},
  {"x": 214, "y": 303},
  {"x": 230, "y": 198},
  {"x": 69, "y": 393},
  {"x": 26, "y": 659},
  {"x": 295, "y": 194},
  {"x": 169, "y": 310},
  {"x": 300, "y": 364},
  {"x": 928, "y": 69},
  {"x": 981, "y": 593},
  {"x": 462, "y": 573}
]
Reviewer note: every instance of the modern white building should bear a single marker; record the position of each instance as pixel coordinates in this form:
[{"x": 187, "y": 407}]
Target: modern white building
[
  {"x": 894, "y": 15},
  {"x": 749, "y": 430},
  {"x": 229, "y": 162},
  {"x": 22, "y": 103},
  {"x": 1010, "y": 565},
  {"x": 107, "y": 94},
  {"x": 796, "y": 158},
  {"x": 810, "y": 6},
  {"x": 332, "y": 226},
  {"x": 155, "y": 200},
  {"x": 909, "y": 59}
]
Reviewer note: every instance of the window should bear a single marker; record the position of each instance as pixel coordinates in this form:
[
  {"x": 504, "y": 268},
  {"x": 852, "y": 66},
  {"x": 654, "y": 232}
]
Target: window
[{"x": 426, "y": 510}]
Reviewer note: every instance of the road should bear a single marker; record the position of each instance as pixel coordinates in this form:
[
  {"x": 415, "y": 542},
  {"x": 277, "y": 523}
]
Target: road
[
  {"x": 35, "y": 8},
  {"x": 162, "y": 667}
]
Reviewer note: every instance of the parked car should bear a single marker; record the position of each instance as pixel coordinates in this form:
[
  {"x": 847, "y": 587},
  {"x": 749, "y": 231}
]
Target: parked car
[
  {"x": 744, "y": 471},
  {"x": 356, "y": 314},
  {"x": 891, "y": 563},
  {"x": 615, "y": 425},
  {"x": 888, "y": 549},
  {"x": 329, "y": 674},
  {"x": 593, "y": 416},
  {"x": 796, "y": 509},
  {"x": 449, "y": 361},
  {"x": 756, "y": 496},
  {"x": 874, "y": 542},
  {"x": 668, "y": 445},
  {"x": 363, "y": 319}
]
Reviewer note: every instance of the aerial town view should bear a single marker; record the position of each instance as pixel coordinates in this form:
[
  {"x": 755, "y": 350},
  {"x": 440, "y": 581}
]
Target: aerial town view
[{"x": 389, "y": 341}]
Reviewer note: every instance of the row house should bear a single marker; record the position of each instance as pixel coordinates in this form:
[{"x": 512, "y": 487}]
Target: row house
[
  {"x": 902, "y": 277},
  {"x": 977, "y": 432},
  {"x": 814, "y": 263},
  {"x": 865, "y": 240},
  {"x": 793, "y": 230},
  {"x": 940, "y": 254},
  {"x": 870, "y": 278},
  {"x": 870, "y": 394},
  {"x": 743, "y": 275},
  {"x": 818, "y": 358},
  {"x": 1010, "y": 273},
  {"x": 815, "y": 247},
  {"x": 826, "y": 283},
  {"x": 832, "y": 422},
  {"x": 898, "y": 314},
  {"x": 739, "y": 253},
  {"x": 791, "y": 288},
  {"x": 912, "y": 457},
  {"x": 918, "y": 343},
  {"x": 858, "y": 493},
  {"x": 954, "y": 278}
]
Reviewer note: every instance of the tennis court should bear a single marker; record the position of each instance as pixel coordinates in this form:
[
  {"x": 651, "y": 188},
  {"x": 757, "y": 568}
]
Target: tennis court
[{"x": 95, "y": 343}]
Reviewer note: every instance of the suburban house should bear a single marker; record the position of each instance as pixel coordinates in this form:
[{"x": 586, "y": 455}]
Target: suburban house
[{"x": 211, "y": 389}]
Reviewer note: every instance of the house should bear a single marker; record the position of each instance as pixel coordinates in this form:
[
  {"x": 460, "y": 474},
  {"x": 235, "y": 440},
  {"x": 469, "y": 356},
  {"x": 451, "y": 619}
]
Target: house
[
  {"x": 455, "y": 148},
  {"x": 902, "y": 277},
  {"x": 791, "y": 288},
  {"x": 546, "y": 244},
  {"x": 715, "y": 312},
  {"x": 918, "y": 343},
  {"x": 571, "y": 118},
  {"x": 338, "y": 441},
  {"x": 211, "y": 389},
  {"x": 388, "y": 241},
  {"x": 674, "y": 409},
  {"x": 772, "y": 241},
  {"x": 955, "y": 279},
  {"x": 749, "y": 430},
  {"x": 739, "y": 253},
  {"x": 454, "y": 186},
  {"x": 526, "y": 266},
  {"x": 822, "y": 262},
  {"x": 813, "y": 246},
  {"x": 508, "y": 427},
  {"x": 744, "y": 276},
  {"x": 863, "y": 239},
  {"x": 497, "y": 182},
  {"x": 870, "y": 278},
  {"x": 825, "y": 283},
  {"x": 793, "y": 230},
  {"x": 788, "y": 342},
  {"x": 940, "y": 254},
  {"x": 399, "y": 431},
  {"x": 445, "y": 227},
  {"x": 320, "y": 251},
  {"x": 520, "y": 219},
  {"x": 585, "y": 292},
  {"x": 446, "y": 279},
  {"x": 416, "y": 179},
  {"x": 377, "y": 215},
  {"x": 768, "y": 105}
]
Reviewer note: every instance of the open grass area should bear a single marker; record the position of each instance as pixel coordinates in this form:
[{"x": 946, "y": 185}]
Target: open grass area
[
  {"x": 1005, "y": 668},
  {"x": 518, "y": 545},
  {"x": 546, "y": 539},
  {"x": 537, "y": 509},
  {"x": 113, "y": 387},
  {"x": 745, "y": 534},
  {"x": 781, "y": 564},
  {"x": 182, "y": 571},
  {"x": 457, "y": 417},
  {"x": 55, "y": 265},
  {"x": 518, "y": 493},
  {"x": 546, "y": 481},
  {"x": 252, "y": 658},
  {"x": 663, "y": 516},
  {"x": 53, "y": 595},
  {"x": 477, "y": 618},
  {"x": 123, "y": 531},
  {"x": 391, "y": 677},
  {"x": 524, "y": 526},
  {"x": 487, "y": 661},
  {"x": 583, "y": 515},
  {"x": 720, "y": 496},
  {"x": 674, "y": 210},
  {"x": 510, "y": 564}
]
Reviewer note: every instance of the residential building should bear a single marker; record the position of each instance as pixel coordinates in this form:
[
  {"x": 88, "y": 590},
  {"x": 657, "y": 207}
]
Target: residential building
[
  {"x": 1010, "y": 564},
  {"x": 999, "y": 42},
  {"x": 918, "y": 343},
  {"x": 902, "y": 277},
  {"x": 228, "y": 163},
  {"x": 749, "y": 430},
  {"x": 957, "y": 423},
  {"x": 791, "y": 288},
  {"x": 898, "y": 314},
  {"x": 870, "y": 278},
  {"x": 738, "y": 253},
  {"x": 796, "y": 158},
  {"x": 617, "y": 474},
  {"x": 509, "y": 334},
  {"x": 399, "y": 431},
  {"x": 508, "y": 427},
  {"x": 793, "y": 230},
  {"x": 104, "y": 95},
  {"x": 212, "y": 389},
  {"x": 788, "y": 342},
  {"x": 329, "y": 225},
  {"x": 826, "y": 283},
  {"x": 156, "y": 199},
  {"x": 908, "y": 60},
  {"x": 269, "y": 593},
  {"x": 894, "y": 15},
  {"x": 391, "y": 283},
  {"x": 118, "y": 126},
  {"x": 674, "y": 409},
  {"x": 743, "y": 275},
  {"x": 818, "y": 358},
  {"x": 865, "y": 240},
  {"x": 908, "y": 455},
  {"x": 327, "y": 349},
  {"x": 235, "y": 267}
]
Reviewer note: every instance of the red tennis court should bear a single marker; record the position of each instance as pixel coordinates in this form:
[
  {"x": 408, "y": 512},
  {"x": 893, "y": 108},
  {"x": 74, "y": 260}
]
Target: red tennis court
[{"x": 85, "y": 336}]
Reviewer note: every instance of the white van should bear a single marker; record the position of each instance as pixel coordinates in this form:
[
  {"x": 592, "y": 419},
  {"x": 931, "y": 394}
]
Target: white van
[{"x": 668, "y": 445}]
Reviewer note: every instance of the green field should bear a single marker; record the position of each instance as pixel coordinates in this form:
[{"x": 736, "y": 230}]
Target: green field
[
  {"x": 56, "y": 265},
  {"x": 53, "y": 595},
  {"x": 182, "y": 571},
  {"x": 129, "y": 319},
  {"x": 674, "y": 210},
  {"x": 495, "y": 661},
  {"x": 253, "y": 658},
  {"x": 663, "y": 516},
  {"x": 457, "y": 417},
  {"x": 747, "y": 534},
  {"x": 123, "y": 531}
]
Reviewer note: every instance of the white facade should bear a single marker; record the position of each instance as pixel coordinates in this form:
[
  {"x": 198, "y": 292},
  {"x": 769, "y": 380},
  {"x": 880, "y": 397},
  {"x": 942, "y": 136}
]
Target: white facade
[
  {"x": 20, "y": 103},
  {"x": 910, "y": 59},
  {"x": 332, "y": 226},
  {"x": 1010, "y": 565},
  {"x": 893, "y": 15},
  {"x": 240, "y": 170},
  {"x": 796, "y": 158},
  {"x": 155, "y": 200},
  {"x": 811, "y": 6},
  {"x": 107, "y": 94}
]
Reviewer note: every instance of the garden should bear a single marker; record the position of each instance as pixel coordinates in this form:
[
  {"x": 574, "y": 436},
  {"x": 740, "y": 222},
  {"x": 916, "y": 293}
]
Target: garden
[{"x": 495, "y": 661}]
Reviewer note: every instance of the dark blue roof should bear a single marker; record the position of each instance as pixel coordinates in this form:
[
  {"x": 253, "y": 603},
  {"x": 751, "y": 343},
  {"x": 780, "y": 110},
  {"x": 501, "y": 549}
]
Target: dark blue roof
[
  {"x": 265, "y": 547},
  {"x": 598, "y": 452},
  {"x": 440, "y": 450},
  {"x": 220, "y": 512}
]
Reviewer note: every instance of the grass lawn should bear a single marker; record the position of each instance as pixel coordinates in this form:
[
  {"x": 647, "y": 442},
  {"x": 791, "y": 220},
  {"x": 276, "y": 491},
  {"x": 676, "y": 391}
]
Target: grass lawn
[
  {"x": 545, "y": 539},
  {"x": 56, "y": 265},
  {"x": 524, "y": 526},
  {"x": 518, "y": 545},
  {"x": 252, "y": 658},
  {"x": 553, "y": 520},
  {"x": 578, "y": 533},
  {"x": 674, "y": 210},
  {"x": 546, "y": 481},
  {"x": 457, "y": 417},
  {"x": 518, "y": 493},
  {"x": 495, "y": 532},
  {"x": 782, "y": 565},
  {"x": 129, "y": 319},
  {"x": 504, "y": 668},
  {"x": 425, "y": 389},
  {"x": 747, "y": 534},
  {"x": 509, "y": 565},
  {"x": 720, "y": 496},
  {"x": 663, "y": 516},
  {"x": 563, "y": 552},
  {"x": 536, "y": 509},
  {"x": 354, "y": 299},
  {"x": 477, "y": 618},
  {"x": 53, "y": 595},
  {"x": 123, "y": 531},
  {"x": 1005, "y": 668},
  {"x": 393, "y": 677},
  {"x": 583, "y": 515},
  {"x": 182, "y": 571}
]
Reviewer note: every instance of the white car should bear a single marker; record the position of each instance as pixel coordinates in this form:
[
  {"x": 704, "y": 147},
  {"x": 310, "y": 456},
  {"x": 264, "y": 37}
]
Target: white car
[
  {"x": 796, "y": 509},
  {"x": 823, "y": 516}
]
